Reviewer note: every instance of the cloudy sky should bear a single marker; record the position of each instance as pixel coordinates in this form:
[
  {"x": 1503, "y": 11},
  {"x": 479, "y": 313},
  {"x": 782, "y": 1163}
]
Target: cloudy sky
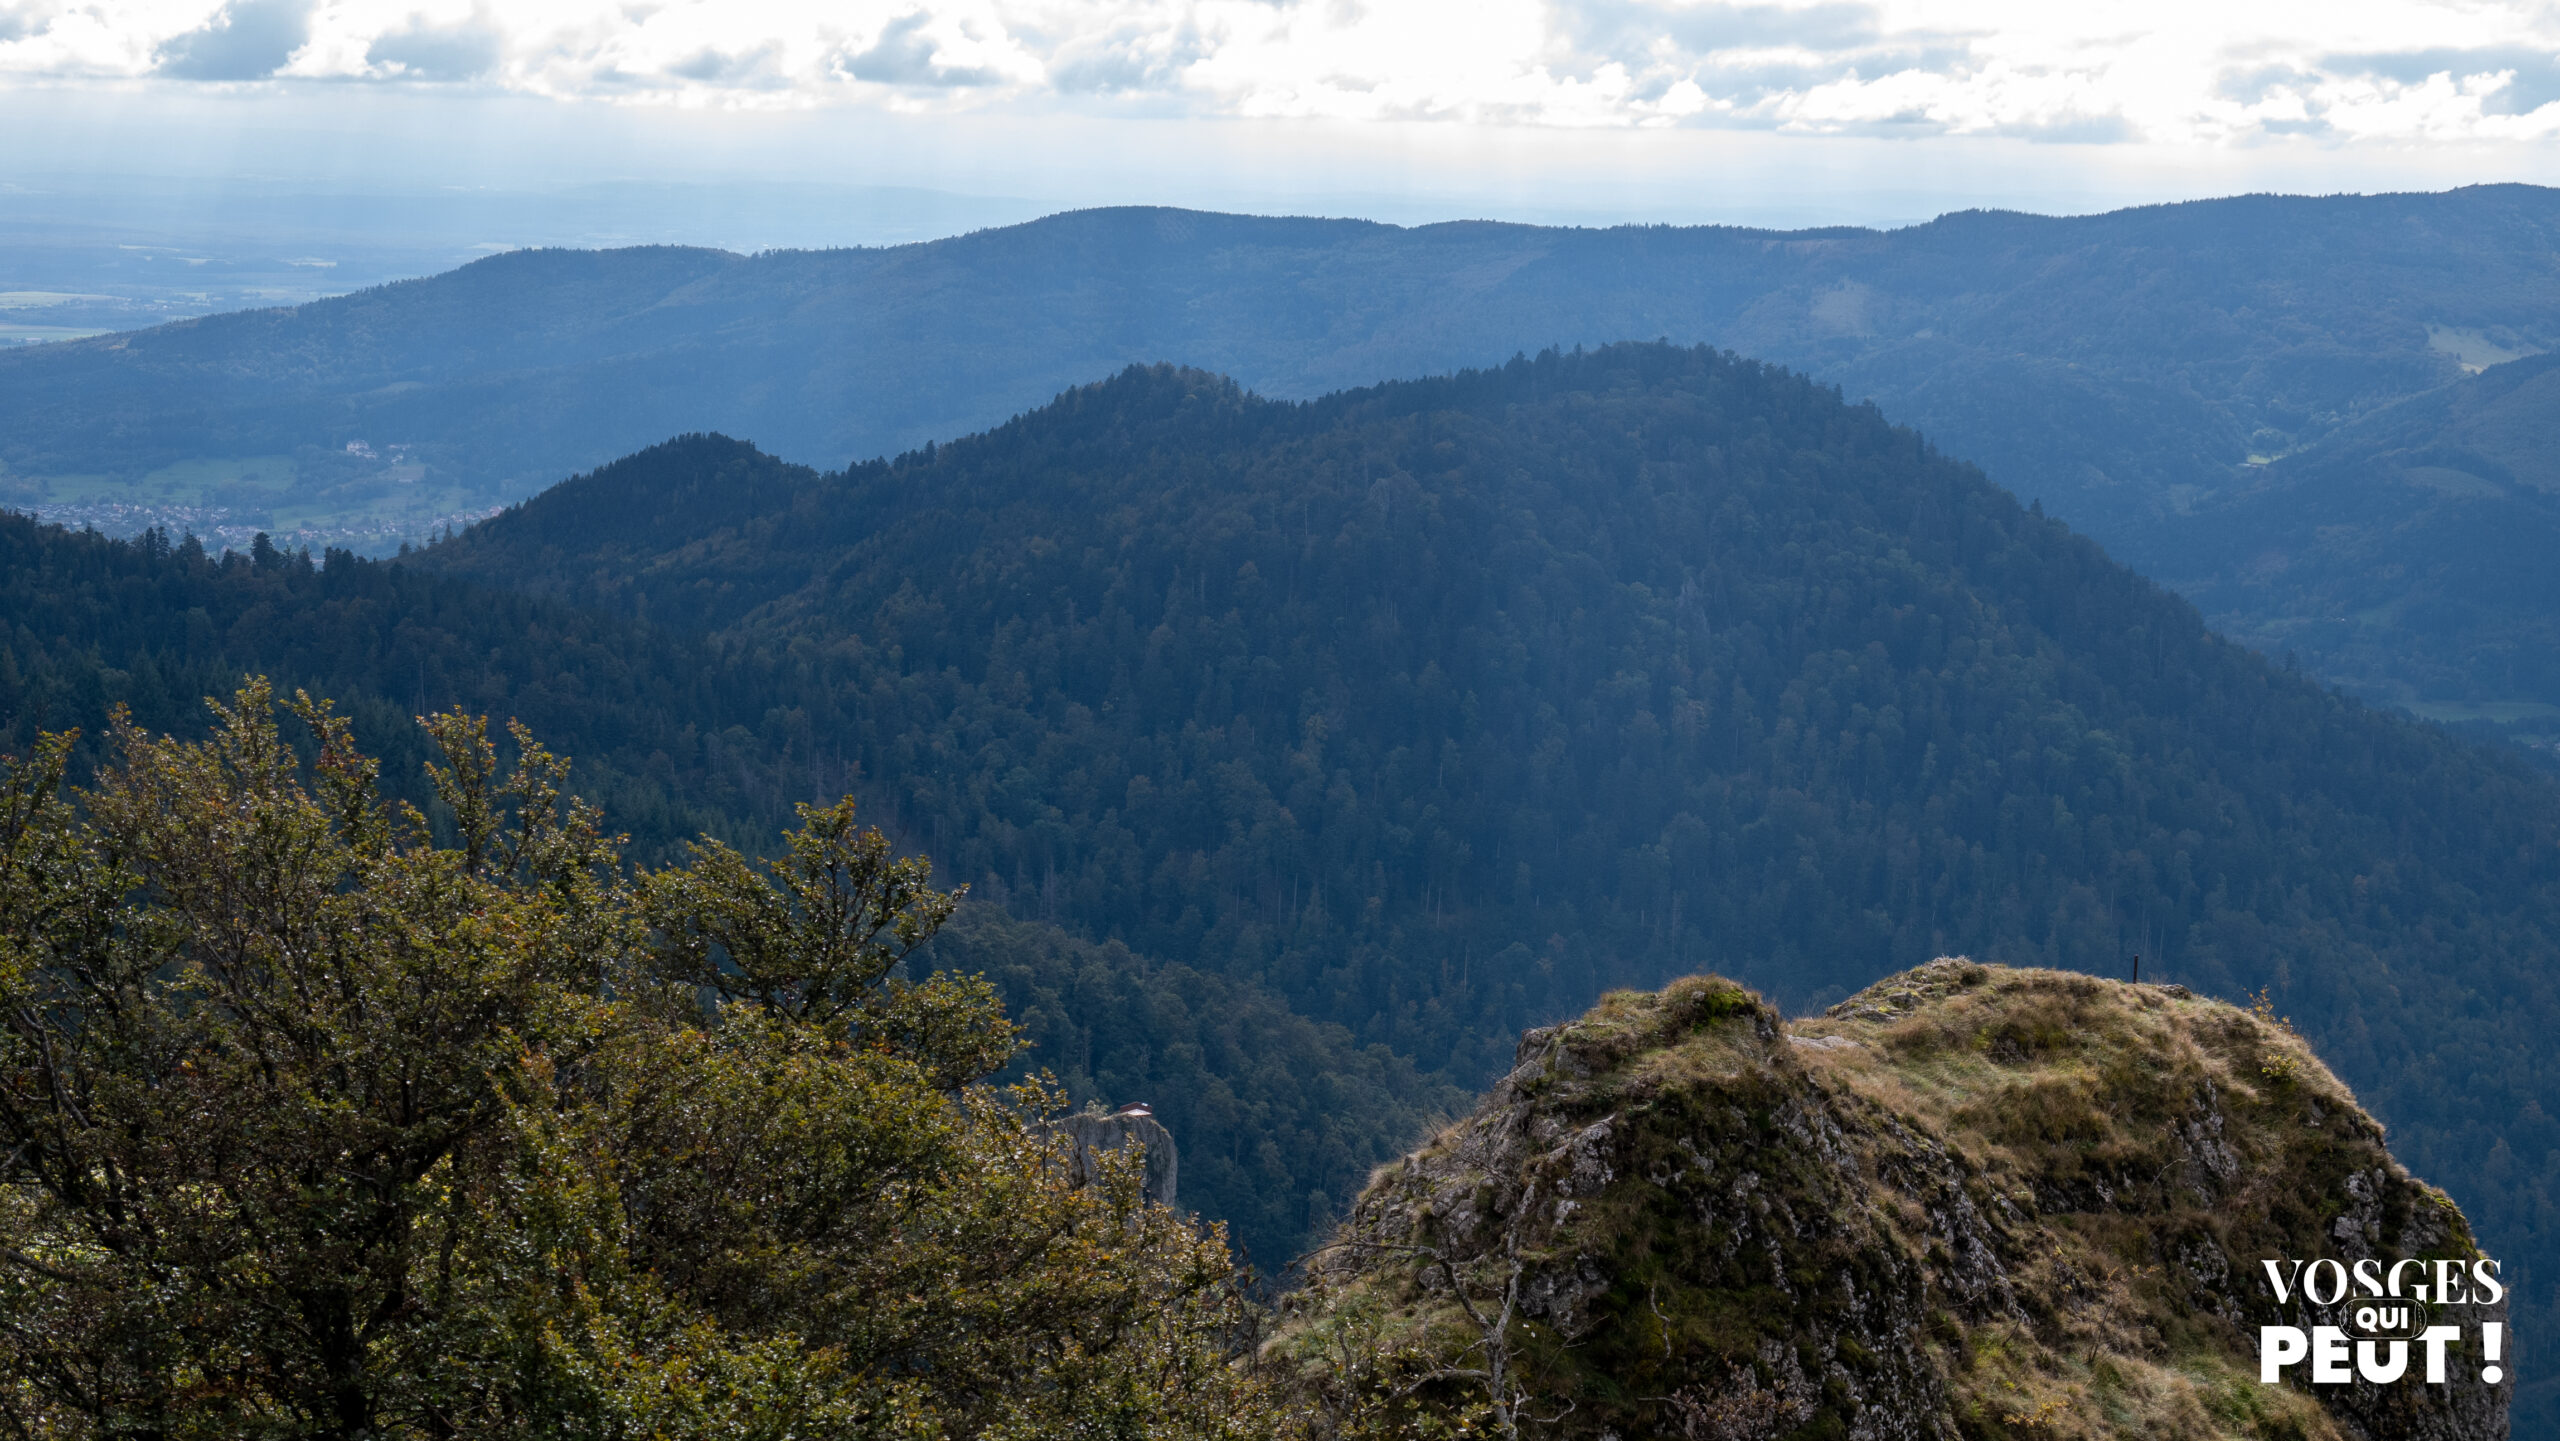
[{"x": 1689, "y": 107}]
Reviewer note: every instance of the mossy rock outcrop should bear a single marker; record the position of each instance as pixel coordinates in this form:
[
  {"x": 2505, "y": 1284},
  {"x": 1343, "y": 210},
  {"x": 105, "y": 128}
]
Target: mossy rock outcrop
[{"x": 1969, "y": 1201}]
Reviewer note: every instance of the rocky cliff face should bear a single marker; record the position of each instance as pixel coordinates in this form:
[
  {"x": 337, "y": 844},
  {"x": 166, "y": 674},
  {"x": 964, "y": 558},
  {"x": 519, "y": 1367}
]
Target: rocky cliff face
[
  {"x": 1094, "y": 1132},
  {"x": 1968, "y": 1202}
]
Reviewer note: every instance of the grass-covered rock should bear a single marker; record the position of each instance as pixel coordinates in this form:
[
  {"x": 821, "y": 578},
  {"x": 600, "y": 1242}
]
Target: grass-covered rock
[{"x": 1969, "y": 1201}]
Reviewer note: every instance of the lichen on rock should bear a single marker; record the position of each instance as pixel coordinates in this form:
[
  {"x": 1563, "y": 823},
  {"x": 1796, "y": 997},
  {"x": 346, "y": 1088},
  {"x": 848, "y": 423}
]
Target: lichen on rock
[{"x": 1969, "y": 1201}]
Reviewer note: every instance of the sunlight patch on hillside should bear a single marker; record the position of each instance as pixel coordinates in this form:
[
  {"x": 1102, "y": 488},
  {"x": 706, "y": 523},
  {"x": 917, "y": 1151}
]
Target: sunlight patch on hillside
[{"x": 2473, "y": 350}]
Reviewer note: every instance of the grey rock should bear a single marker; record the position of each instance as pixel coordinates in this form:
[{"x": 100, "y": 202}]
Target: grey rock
[{"x": 1094, "y": 1133}]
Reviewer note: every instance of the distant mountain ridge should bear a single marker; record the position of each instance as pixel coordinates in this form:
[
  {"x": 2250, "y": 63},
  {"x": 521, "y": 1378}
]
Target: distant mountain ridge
[
  {"x": 2125, "y": 368},
  {"x": 2100, "y": 361}
]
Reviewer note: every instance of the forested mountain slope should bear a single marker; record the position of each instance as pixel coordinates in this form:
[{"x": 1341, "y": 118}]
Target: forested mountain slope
[
  {"x": 1280, "y": 1118},
  {"x": 1442, "y": 706},
  {"x": 2409, "y": 555}
]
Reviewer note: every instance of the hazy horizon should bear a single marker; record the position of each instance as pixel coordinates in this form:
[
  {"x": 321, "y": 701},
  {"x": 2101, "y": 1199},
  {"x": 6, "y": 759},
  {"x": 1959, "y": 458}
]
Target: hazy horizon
[
  {"x": 86, "y": 249},
  {"x": 178, "y": 157}
]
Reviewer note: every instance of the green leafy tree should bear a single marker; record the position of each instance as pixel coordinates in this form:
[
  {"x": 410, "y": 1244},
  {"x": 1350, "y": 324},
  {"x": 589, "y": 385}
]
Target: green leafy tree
[{"x": 318, "y": 1126}]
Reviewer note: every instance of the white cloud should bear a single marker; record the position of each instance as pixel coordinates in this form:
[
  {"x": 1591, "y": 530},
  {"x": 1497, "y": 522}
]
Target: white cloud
[
  {"x": 2176, "y": 71},
  {"x": 244, "y": 40}
]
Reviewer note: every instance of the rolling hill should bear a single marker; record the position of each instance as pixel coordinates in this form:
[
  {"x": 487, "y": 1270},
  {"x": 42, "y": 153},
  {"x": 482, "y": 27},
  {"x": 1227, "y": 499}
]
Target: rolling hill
[
  {"x": 2151, "y": 346},
  {"x": 2121, "y": 367}
]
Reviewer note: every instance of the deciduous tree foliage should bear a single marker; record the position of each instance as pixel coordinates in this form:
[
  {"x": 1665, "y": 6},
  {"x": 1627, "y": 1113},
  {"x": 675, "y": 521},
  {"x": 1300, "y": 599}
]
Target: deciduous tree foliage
[{"x": 316, "y": 1126}]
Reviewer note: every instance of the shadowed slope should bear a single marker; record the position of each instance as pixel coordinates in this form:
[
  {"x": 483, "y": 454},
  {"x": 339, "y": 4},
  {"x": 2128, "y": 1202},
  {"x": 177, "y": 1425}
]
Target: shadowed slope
[{"x": 2433, "y": 521}]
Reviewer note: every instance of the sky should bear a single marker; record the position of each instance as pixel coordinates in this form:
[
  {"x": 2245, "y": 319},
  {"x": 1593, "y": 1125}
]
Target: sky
[{"x": 1585, "y": 111}]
